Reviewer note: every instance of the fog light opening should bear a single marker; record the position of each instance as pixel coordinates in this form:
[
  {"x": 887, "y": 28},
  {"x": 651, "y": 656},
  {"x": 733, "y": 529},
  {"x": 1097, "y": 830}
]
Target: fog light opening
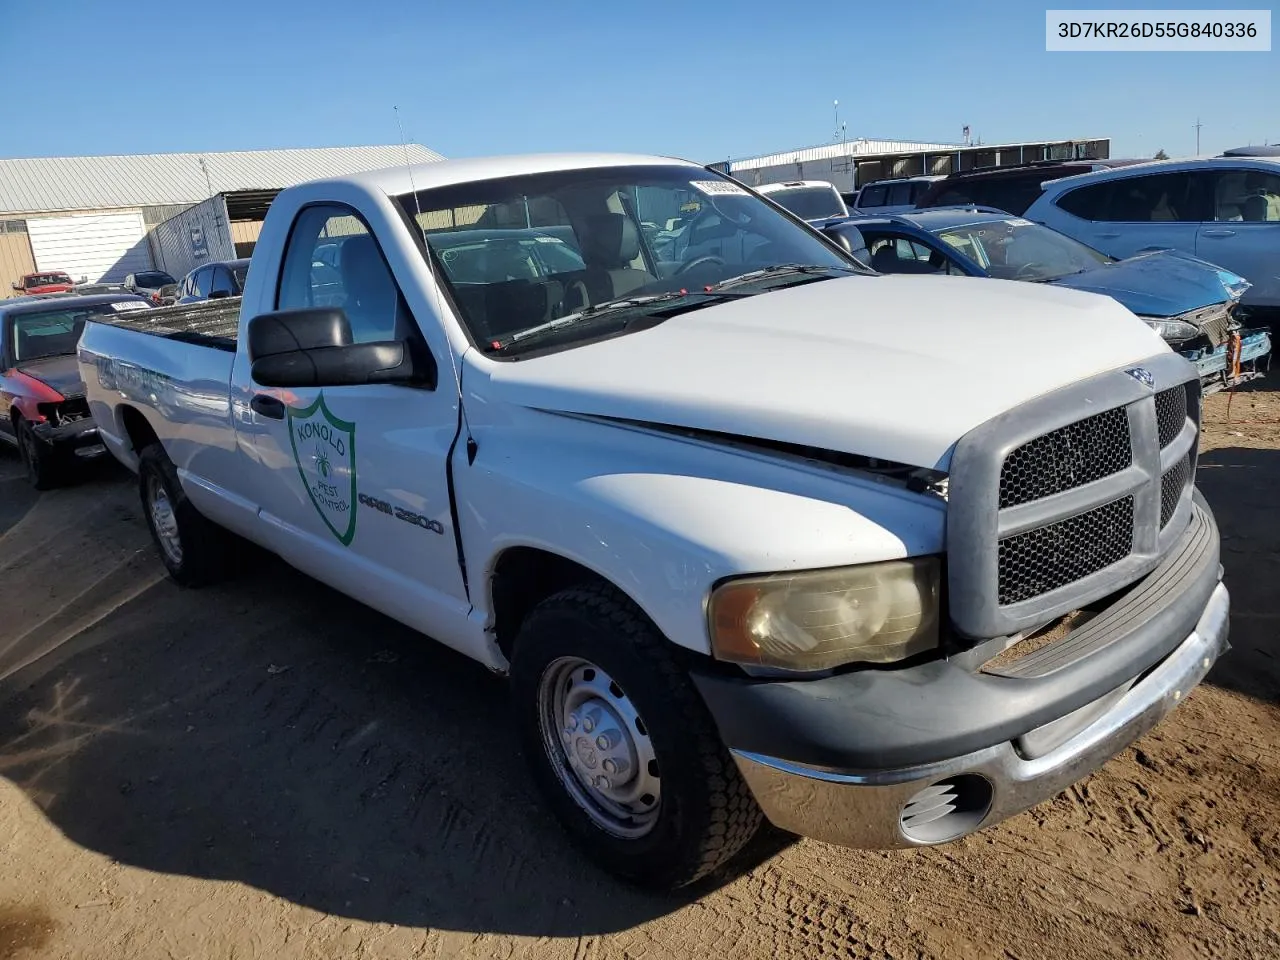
[{"x": 947, "y": 809}]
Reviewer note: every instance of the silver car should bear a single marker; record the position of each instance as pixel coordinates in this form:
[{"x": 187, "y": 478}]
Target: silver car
[{"x": 1225, "y": 210}]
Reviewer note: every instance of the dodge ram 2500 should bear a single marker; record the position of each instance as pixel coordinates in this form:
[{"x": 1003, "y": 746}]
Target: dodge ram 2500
[{"x": 752, "y": 532}]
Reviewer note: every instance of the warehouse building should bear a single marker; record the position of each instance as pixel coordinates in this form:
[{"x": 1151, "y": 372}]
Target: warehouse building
[
  {"x": 100, "y": 218},
  {"x": 852, "y": 164}
]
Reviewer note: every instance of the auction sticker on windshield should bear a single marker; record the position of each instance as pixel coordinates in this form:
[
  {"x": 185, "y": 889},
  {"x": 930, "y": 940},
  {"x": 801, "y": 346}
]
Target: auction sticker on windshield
[
  {"x": 129, "y": 305},
  {"x": 718, "y": 188}
]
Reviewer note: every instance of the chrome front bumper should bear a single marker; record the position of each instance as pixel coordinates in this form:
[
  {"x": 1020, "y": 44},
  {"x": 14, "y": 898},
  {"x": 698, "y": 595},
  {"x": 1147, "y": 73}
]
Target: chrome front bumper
[{"x": 941, "y": 801}]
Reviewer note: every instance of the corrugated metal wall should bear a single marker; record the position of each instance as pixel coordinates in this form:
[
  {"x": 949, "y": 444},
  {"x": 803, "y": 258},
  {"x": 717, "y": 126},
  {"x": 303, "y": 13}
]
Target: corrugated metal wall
[
  {"x": 95, "y": 246},
  {"x": 15, "y": 255},
  {"x": 197, "y": 235}
]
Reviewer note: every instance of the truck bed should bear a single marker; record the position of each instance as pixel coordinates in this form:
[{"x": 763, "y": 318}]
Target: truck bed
[{"x": 211, "y": 323}]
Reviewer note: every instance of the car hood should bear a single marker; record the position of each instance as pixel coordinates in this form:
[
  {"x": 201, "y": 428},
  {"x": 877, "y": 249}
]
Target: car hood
[
  {"x": 893, "y": 367},
  {"x": 61, "y": 373},
  {"x": 1162, "y": 283}
]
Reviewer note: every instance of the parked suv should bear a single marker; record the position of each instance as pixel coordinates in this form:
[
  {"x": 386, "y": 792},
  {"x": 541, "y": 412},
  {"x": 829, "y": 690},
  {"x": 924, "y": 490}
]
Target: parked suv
[
  {"x": 893, "y": 196},
  {"x": 1011, "y": 189},
  {"x": 224, "y": 278},
  {"x": 1225, "y": 210}
]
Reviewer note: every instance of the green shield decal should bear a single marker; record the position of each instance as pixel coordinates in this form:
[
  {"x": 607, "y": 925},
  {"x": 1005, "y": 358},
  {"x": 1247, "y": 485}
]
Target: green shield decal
[{"x": 324, "y": 448}]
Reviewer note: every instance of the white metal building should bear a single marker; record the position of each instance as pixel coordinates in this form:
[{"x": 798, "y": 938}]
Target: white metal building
[{"x": 94, "y": 216}]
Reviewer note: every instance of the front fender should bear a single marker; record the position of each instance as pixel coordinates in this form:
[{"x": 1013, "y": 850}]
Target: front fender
[{"x": 664, "y": 518}]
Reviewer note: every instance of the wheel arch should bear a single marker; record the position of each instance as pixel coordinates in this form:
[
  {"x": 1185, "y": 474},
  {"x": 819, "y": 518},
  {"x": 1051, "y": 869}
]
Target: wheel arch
[{"x": 521, "y": 576}]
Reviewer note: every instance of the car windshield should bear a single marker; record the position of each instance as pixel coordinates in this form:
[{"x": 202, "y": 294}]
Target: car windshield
[
  {"x": 1017, "y": 249},
  {"x": 56, "y": 331},
  {"x": 44, "y": 279},
  {"x": 519, "y": 253},
  {"x": 153, "y": 279},
  {"x": 810, "y": 203}
]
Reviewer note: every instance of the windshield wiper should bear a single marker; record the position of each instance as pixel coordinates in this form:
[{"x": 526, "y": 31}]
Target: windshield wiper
[
  {"x": 782, "y": 270},
  {"x": 600, "y": 309}
]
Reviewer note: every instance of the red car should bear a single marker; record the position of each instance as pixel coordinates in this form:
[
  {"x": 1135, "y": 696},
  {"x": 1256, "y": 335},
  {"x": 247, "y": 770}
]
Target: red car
[
  {"x": 51, "y": 281},
  {"x": 43, "y": 411}
]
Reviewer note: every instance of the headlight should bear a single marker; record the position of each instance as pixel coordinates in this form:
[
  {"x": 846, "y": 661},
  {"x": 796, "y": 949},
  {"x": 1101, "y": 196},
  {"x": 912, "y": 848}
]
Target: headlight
[
  {"x": 818, "y": 619},
  {"x": 1175, "y": 331}
]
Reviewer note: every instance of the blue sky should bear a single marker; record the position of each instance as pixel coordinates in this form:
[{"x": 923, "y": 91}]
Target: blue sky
[{"x": 704, "y": 81}]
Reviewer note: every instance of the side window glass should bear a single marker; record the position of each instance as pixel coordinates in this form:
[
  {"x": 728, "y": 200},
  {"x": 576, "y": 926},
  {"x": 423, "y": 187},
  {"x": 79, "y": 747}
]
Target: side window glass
[
  {"x": 1245, "y": 195},
  {"x": 361, "y": 284},
  {"x": 1087, "y": 203},
  {"x": 899, "y": 194},
  {"x": 201, "y": 282},
  {"x": 1157, "y": 198},
  {"x": 872, "y": 197},
  {"x": 221, "y": 282}
]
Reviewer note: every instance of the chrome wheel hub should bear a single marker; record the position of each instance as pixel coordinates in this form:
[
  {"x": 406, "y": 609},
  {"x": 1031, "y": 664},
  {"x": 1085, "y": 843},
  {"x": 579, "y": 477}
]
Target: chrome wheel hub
[
  {"x": 163, "y": 520},
  {"x": 599, "y": 747}
]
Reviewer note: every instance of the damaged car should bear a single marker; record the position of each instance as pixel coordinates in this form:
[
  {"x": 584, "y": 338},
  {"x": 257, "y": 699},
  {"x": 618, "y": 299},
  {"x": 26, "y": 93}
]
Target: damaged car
[
  {"x": 43, "y": 411},
  {"x": 1192, "y": 304}
]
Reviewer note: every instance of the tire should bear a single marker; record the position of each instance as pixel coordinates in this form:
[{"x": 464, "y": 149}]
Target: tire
[
  {"x": 42, "y": 462},
  {"x": 193, "y": 549},
  {"x": 703, "y": 813}
]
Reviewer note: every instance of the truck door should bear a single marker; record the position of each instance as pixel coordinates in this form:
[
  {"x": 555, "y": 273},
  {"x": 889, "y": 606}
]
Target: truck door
[{"x": 353, "y": 486}]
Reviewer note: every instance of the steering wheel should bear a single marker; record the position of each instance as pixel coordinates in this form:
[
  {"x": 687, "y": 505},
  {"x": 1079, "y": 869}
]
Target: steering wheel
[
  {"x": 1026, "y": 268},
  {"x": 697, "y": 262}
]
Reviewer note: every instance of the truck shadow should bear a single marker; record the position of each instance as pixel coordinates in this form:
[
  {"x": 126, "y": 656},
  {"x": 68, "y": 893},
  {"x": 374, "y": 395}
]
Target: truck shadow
[
  {"x": 1241, "y": 485},
  {"x": 272, "y": 732}
]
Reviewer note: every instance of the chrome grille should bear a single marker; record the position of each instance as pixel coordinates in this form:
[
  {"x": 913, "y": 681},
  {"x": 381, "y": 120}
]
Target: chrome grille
[
  {"x": 1070, "y": 457},
  {"x": 1042, "y": 560},
  {"x": 1047, "y": 514},
  {"x": 1172, "y": 484},
  {"x": 1171, "y": 414}
]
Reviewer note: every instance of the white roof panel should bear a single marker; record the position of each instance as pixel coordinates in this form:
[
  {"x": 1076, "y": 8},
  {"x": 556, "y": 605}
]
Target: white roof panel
[{"x": 49, "y": 184}]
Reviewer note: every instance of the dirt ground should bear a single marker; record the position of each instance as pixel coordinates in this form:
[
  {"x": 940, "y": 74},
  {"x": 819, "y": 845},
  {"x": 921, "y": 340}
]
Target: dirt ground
[{"x": 266, "y": 769}]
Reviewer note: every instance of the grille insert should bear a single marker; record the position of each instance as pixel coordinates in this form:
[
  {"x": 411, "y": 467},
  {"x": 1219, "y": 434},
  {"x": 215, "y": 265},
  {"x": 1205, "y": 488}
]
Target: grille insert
[
  {"x": 1067, "y": 458},
  {"x": 1042, "y": 560},
  {"x": 1171, "y": 413},
  {"x": 1172, "y": 484}
]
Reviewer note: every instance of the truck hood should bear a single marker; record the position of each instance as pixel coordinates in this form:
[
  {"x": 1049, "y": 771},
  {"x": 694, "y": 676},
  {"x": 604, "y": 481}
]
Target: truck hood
[
  {"x": 893, "y": 367},
  {"x": 60, "y": 373},
  {"x": 1162, "y": 283}
]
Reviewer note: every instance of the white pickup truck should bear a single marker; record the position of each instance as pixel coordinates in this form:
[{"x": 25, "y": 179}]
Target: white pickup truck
[{"x": 752, "y": 531}]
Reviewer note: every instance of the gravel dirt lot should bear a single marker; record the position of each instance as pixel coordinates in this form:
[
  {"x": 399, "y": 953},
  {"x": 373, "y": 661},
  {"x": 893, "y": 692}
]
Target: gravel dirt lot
[{"x": 266, "y": 769}]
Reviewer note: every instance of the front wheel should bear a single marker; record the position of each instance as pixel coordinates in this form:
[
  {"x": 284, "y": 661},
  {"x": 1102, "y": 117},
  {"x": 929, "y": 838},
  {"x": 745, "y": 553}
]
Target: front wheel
[
  {"x": 621, "y": 744},
  {"x": 40, "y": 460},
  {"x": 194, "y": 550}
]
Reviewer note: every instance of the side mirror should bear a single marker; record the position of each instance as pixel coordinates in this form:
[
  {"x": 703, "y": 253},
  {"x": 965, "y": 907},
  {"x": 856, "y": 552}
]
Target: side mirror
[
  {"x": 312, "y": 348},
  {"x": 16, "y": 285},
  {"x": 841, "y": 240}
]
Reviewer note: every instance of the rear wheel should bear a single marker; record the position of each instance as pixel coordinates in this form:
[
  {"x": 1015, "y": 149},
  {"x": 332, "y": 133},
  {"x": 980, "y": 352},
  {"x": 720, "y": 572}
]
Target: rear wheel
[
  {"x": 39, "y": 459},
  {"x": 194, "y": 550},
  {"x": 621, "y": 744}
]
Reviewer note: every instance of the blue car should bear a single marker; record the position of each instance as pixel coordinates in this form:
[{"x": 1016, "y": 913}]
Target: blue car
[{"x": 1190, "y": 303}]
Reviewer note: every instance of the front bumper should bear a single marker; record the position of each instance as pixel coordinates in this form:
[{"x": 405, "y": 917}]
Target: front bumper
[
  {"x": 78, "y": 438},
  {"x": 926, "y": 754}
]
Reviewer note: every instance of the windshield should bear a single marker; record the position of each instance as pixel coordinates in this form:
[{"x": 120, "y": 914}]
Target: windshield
[
  {"x": 810, "y": 203},
  {"x": 1018, "y": 249},
  {"x": 153, "y": 279},
  {"x": 55, "y": 332},
  {"x": 520, "y": 252},
  {"x": 46, "y": 279}
]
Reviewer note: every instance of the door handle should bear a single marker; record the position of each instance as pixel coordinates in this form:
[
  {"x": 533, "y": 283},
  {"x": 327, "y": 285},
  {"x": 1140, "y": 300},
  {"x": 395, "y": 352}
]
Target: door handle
[
  {"x": 1217, "y": 233},
  {"x": 267, "y": 406}
]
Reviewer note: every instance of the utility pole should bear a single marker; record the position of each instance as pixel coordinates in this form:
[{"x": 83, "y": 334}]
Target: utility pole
[{"x": 1198, "y": 125}]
